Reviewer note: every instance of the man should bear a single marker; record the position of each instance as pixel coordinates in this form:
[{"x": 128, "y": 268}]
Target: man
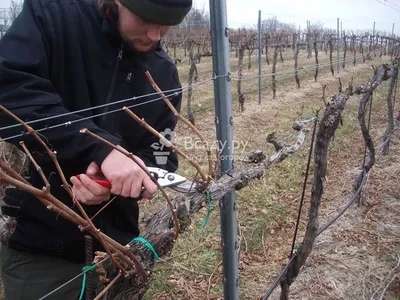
[{"x": 60, "y": 59}]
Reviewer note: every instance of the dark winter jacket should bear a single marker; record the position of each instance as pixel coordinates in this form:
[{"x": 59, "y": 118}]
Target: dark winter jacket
[{"x": 61, "y": 56}]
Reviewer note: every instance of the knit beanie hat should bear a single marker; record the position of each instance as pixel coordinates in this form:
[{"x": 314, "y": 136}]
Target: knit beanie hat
[{"x": 162, "y": 12}]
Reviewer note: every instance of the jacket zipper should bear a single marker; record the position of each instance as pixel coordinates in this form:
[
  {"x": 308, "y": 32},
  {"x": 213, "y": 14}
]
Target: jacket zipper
[
  {"x": 111, "y": 90},
  {"x": 129, "y": 77}
]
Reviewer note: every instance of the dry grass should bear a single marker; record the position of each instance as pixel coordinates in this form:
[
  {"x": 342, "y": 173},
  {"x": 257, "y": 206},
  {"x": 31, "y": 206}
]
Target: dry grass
[
  {"x": 268, "y": 207},
  {"x": 354, "y": 258}
]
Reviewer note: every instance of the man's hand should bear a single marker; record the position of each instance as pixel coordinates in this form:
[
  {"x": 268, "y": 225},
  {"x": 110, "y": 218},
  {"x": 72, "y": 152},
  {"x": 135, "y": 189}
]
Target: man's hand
[
  {"x": 86, "y": 190},
  {"x": 126, "y": 177}
]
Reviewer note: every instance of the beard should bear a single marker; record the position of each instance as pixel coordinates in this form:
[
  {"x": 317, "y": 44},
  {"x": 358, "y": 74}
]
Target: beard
[{"x": 137, "y": 50}]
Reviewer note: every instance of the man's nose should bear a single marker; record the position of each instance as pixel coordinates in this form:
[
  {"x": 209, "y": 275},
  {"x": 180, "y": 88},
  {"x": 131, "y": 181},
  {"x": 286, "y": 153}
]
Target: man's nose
[{"x": 154, "y": 33}]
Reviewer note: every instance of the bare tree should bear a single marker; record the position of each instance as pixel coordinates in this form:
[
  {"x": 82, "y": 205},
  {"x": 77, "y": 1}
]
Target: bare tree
[
  {"x": 4, "y": 16},
  {"x": 198, "y": 18},
  {"x": 274, "y": 27},
  {"x": 271, "y": 24},
  {"x": 15, "y": 9}
]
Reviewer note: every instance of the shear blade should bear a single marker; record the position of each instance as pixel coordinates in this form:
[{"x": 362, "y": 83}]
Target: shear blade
[{"x": 185, "y": 187}]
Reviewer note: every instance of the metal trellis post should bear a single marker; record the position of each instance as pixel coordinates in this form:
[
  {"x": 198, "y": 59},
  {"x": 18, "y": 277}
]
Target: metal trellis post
[
  {"x": 341, "y": 30},
  {"x": 259, "y": 56},
  {"x": 373, "y": 30},
  {"x": 392, "y": 36},
  {"x": 338, "y": 47},
  {"x": 393, "y": 31},
  {"x": 373, "y": 38},
  {"x": 223, "y": 122}
]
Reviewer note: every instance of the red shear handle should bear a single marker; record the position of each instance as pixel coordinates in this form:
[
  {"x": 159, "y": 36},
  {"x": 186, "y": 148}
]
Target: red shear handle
[{"x": 102, "y": 182}]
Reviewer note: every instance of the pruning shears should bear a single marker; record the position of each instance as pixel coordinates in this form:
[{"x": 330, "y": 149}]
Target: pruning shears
[{"x": 164, "y": 178}]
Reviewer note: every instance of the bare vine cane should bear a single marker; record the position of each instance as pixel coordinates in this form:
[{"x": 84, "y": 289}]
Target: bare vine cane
[
  {"x": 12, "y": 173},
  {"x": 66, "y": 186},
  {"x": 52, "y": 154},
  {"x": 38, "y": 168},
  {"x": 101, "y": 294},
  {"x": 166, "y": 142},
  {"x": 189, "y": 124},
  {"x": 131, "y": 156},
  {"x": 53, "y": 204}
]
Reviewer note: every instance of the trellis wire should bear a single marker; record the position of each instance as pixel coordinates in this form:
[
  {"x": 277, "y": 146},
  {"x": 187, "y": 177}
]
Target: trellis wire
[{"x": 177, "y": 90}]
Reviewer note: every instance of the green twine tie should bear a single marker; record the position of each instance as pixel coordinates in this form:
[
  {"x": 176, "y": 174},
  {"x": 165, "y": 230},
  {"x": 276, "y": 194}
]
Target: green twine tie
[
  {"x": 209, "y": 211},
  {"x": 85, "y": 269},
  {"x": 310, "y": 121},
  {"x": 92, "y": 267},
  {"x": 147, "y": 244}
]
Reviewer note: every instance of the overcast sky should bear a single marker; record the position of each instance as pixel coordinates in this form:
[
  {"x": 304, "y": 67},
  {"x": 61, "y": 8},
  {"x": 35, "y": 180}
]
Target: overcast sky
[{"x": 354, "y": 14}]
